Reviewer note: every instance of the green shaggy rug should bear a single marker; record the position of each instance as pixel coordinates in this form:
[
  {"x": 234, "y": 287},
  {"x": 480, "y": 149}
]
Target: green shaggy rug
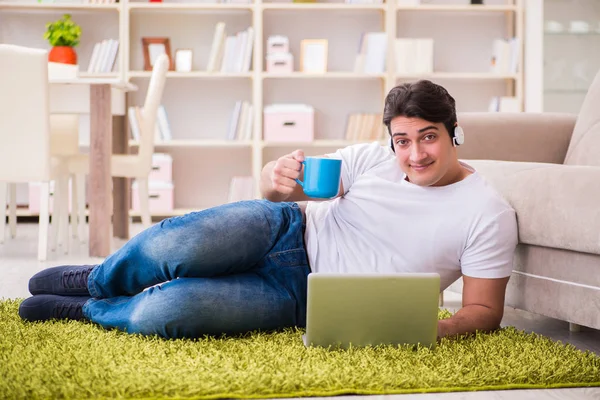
[{"x": 77, "y": 360}]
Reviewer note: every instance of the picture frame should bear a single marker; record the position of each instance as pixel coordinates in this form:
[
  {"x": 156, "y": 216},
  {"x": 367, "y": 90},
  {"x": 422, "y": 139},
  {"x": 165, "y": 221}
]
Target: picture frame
[
  {"x": 183, "y": 60},
  {"x": 313, "y": 55},
  {"x": 153, "y": 47}
]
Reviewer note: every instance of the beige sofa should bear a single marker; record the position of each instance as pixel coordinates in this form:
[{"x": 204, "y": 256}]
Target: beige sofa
[{"x": 547, "y": 166}]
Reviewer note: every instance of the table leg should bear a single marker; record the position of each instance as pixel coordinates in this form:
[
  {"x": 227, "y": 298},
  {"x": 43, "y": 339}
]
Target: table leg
[
  {"x": 100, "y": 179},
  {"x": 120, "y": 185}
]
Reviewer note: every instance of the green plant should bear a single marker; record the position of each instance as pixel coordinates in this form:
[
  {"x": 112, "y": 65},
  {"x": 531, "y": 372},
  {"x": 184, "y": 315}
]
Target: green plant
[{"x": 64, "y": 32}]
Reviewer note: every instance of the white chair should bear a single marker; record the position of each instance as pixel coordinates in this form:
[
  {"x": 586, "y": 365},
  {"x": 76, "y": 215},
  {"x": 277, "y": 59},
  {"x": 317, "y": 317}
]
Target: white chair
[
  {"x": 25, "y": 138},
  {"x": 137, "y": 166}
]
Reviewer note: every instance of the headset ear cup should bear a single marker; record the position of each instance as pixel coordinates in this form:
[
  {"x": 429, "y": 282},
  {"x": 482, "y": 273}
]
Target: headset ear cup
[{"x": 459, "y": 136}]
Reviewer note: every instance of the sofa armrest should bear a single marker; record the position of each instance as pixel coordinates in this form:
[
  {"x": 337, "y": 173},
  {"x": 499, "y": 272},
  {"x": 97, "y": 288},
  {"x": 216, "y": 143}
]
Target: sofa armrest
[
  {"x": 533, "y": 137},
  {"x": 556, "y": 205}
]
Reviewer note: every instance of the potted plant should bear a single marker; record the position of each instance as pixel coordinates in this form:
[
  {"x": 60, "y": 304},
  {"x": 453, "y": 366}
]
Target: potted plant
[{"x": 63, "y": 35}]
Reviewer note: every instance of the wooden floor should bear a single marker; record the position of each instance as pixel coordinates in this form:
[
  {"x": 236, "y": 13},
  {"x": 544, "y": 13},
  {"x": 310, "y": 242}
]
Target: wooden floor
[{"x": 18, "y": 263}]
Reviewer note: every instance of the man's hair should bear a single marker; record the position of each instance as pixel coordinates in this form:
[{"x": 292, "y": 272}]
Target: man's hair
[{"x": 422, "y": 99}]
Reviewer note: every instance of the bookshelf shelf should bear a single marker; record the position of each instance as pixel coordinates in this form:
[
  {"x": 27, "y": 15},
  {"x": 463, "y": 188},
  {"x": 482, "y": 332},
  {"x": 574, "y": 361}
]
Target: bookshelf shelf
[
  {"x": 321, "y": 6},
  {"x": 194, "y": 74},
  {"x": 197, "y": 143},
  {"x": 314, "y": 143},
  {"x": 460, "y": 8},
  {"x": 187, "y": 6},
  {"x": 13, "y": 5},
  {"x": 326, "y": 75},
  {"x": 460, "y": 75}
]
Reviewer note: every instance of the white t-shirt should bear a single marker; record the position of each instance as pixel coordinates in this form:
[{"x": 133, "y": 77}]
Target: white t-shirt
[{"x": 386, "y": 224}]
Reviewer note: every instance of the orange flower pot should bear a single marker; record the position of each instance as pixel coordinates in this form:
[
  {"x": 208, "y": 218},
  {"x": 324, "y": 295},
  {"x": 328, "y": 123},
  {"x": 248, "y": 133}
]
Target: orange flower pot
[{"x": 63, "y": 54}]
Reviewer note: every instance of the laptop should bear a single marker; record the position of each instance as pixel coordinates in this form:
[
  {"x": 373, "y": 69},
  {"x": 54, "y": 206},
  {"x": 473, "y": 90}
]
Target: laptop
[{"x": 358, "y": 310}]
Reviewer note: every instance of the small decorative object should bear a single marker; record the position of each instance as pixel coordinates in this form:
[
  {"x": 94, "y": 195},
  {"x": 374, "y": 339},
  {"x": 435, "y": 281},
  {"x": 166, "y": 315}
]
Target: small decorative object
[
  {"x": 154, "y": 47},
  {"x": 183, "y": 60},
  {"x": 63, "y": 35},
  {"x": 313, "y": 57},
  {"x": 476, "y": 1}
]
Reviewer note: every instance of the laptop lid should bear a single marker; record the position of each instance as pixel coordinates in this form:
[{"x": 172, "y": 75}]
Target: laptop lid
[{"x": 371, "y": 309}]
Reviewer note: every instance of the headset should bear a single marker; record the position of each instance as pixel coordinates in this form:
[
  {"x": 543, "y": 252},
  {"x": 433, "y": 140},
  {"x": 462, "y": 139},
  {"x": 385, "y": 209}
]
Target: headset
[{"x": 458, "y": 138}]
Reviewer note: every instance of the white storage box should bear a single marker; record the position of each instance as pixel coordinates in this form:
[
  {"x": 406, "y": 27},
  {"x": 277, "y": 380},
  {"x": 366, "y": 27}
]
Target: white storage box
[
  {"x": 280, "y": 63},
  {"x": 162, "y": 168},
  {"x": 289, "y": 123},
  {"x": 277, "y": 44}
]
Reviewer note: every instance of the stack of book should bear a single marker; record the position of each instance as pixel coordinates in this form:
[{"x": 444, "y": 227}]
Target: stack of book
[
  {"x": 162, "y": 129},
  {"x": 104, "y": 56},
  {"x": 240, "y": 123},
  {"x": 364, "y": 127},
  {"x": 371, "y": 53},
  {"x": 230, "y": 53}
]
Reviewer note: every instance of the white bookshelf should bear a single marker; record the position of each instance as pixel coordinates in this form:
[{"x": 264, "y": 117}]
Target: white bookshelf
[{"x": 199, "y": 103}]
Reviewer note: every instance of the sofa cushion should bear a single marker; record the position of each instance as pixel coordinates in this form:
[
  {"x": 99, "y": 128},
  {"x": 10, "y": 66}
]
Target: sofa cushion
[
  {"x": 584, "y": 148},
  {"x": 557, "y": 205}
]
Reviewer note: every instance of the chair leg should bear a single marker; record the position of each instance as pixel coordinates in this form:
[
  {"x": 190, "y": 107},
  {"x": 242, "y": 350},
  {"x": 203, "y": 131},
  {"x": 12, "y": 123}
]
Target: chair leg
[
  {"x": 12, "y": 204},
  {"x": 64, "y": 214},
  {"x": 43, "y": 222},
  {"x": 80, "y": 178},
  {"x": 144, "y": 193},
  {"x": 55, "y": 215},
  {"x": 74, "y": 207},
  {"x": 441, "y": 300},
  {"x": 3, "y": 189},
  {"x": 574, "y": 327}
]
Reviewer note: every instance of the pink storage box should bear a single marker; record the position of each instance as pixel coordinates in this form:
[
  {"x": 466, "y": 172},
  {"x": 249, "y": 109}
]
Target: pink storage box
[
  {"x": 289, "y": 123},
  {"x": 280, "y": 63},
  {"x": 34, "y": 197},
  {"x": 278, "y": 44},
  {"x": 162, "y": 168},
  {"x": 161, "y": 197}
]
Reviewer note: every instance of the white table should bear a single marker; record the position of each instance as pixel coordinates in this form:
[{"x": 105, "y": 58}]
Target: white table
[{"x": 65, "y": 97}]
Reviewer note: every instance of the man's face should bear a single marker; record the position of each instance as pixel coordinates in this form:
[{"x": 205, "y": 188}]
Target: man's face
[{"x": 424, "y": 151}]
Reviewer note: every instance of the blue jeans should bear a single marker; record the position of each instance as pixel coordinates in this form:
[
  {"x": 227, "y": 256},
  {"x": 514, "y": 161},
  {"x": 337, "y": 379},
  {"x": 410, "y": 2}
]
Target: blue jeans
[{"x": 229, "y": 269}]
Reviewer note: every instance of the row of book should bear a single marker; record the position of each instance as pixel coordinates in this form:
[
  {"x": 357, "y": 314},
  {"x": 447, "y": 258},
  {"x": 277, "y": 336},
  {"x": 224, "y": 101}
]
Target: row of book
[
  {"x": 230, "y": 53},
  {"x": 162, "y": 128},
  {"x": 104, "y": 56},
  {"x": 241, "y": 121},
  {"x": 364, "y": 127}
]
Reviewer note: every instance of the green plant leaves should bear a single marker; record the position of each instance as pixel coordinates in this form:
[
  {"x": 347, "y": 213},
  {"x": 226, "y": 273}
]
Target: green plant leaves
[{"x": 63, "y": 32}]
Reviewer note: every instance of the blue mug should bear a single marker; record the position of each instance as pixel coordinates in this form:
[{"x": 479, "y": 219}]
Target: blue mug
[{"x": 321, "y": 177}]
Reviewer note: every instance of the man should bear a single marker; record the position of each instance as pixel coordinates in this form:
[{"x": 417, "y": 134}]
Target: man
[{"x": 413, "y": 207}]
